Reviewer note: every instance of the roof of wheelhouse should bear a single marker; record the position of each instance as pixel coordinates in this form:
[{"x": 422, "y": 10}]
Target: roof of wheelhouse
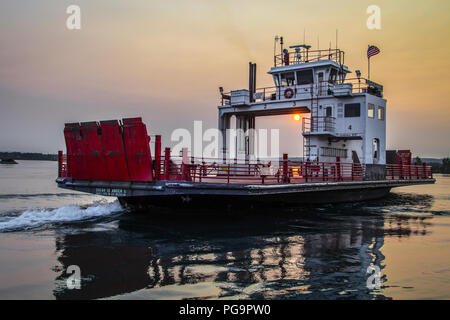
[{"x": 308, "y": 65}]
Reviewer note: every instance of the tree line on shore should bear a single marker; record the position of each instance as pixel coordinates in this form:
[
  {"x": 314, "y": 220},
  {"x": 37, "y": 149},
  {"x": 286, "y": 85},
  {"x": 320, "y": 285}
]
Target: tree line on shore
[
  {"x": 28, "y": 156},
  {"x": 443, "y": 167}
]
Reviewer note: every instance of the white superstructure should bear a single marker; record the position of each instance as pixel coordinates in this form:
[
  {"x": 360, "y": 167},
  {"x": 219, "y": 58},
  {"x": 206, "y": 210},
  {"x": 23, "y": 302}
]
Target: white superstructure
[{"x": 341, "y": 117}]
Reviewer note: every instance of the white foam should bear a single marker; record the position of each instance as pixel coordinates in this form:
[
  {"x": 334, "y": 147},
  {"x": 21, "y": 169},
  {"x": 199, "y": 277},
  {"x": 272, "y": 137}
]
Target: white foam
[{"x": 35, "y": 218}]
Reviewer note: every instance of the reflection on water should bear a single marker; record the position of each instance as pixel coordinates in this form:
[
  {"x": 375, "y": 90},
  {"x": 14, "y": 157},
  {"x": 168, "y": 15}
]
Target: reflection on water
[
  {"x": 312, "y": 253},
  {"x": 301, "y": 253}
]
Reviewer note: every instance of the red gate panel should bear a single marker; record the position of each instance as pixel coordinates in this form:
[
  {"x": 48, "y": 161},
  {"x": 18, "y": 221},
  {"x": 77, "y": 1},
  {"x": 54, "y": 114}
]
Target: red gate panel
[
  {"x": 113, "y": 150},
  {"x": 68, "y": 137},
  {"x": 137, "y": 149},
  {"x": 404, "y": 157},
  {"x": 76, "y": 151},
  {"x": 93, "y": 151}
]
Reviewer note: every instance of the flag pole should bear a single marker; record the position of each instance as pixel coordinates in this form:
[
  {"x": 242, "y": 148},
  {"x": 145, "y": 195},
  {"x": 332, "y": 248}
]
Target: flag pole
[{"x": 368, "y": 61}]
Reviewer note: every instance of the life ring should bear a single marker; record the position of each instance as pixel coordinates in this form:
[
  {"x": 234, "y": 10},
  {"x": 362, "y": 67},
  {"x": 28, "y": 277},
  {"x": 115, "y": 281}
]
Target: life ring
[{"x": 288, "y": 93}]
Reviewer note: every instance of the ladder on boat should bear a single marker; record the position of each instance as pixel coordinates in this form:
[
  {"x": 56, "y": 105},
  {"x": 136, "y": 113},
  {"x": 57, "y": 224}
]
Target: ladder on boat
[{"x": 313, "y": 123}]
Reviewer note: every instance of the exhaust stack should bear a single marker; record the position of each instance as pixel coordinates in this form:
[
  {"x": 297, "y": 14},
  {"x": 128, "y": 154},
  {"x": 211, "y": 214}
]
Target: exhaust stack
[{"x": 252, "y": 81}]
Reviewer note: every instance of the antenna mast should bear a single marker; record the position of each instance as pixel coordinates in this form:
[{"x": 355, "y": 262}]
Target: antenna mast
[
  {"x": 275, "y": 46},
  {"x": 337, "y": 45}
]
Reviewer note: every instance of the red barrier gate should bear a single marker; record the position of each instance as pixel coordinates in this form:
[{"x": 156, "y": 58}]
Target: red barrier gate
[
  {"x": 75, "y": 151},
  {"x": 113, "y": 151},
  {"x": 137, "y": 150},
  {"x": 94, "y": 160}
]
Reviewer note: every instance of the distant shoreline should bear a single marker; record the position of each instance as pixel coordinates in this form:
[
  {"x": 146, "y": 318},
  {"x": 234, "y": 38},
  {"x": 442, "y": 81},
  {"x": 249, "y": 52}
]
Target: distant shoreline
[{"x": 28, "y": 156}]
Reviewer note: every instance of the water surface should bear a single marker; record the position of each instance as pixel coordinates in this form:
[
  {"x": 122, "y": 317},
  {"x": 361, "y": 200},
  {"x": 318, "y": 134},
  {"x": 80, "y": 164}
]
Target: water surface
[{"x": 320, "y": 252}]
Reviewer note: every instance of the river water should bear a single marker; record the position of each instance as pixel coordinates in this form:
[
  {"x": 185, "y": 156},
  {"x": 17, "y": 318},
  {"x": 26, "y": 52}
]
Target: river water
[{"x": 314, "y": 252}]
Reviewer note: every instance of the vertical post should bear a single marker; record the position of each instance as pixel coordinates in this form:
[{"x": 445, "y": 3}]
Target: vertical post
[
  {"x": 224, "y": 125},
  {"x": 250, "y": 80},
  {"x": 425, "y": 173},
  {"x": 60, "y": 163},
  {"x": 285, "y": 168},
  {"x": 323, "y": 171},
  {"x": 158, "y": 157},
  {"x": 368, "y": 68},
  {"x": 401, "y": 169},
  {"x": 184, "y": 164},
  {"x": 254, "y": 81},
  {"x": 307, "y": 165},
  {"x": 338, "y": 168},
  {"x": 166, "y": 163}
]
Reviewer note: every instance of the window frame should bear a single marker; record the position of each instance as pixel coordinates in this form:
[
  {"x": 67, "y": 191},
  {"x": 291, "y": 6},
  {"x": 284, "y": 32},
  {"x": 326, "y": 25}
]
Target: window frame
[
  {"x": 348, "y": 114},
  {"x": 285, "y": 79},
  {"x": 380, "y": 116},
  {"x": 333, "y": 76},
  {"x": 371, "y": 107},
  {"x": 276, "y": 79},
  {"x": 304, "y": 83}
]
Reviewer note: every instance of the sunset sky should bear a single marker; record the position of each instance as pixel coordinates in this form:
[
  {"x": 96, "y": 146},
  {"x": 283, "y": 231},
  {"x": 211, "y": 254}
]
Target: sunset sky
[{"x": 164, "y": 61}]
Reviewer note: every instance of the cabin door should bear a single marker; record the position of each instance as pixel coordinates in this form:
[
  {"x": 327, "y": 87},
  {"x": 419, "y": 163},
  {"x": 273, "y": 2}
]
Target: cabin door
[{"x": 376, "y": 150}]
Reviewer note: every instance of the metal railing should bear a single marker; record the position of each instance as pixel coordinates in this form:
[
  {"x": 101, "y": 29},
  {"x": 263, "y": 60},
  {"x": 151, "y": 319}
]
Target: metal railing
[
  {"x": 333, "y": 152},
  {"x": 215, "y": 170},
  {"x": 257, "y": 172},
  {"x": 304, "y": 56},
  {"x": 408, "y": 172},
  {"x": 305, "y": 91},
  {"x": 318, "y": 124}
]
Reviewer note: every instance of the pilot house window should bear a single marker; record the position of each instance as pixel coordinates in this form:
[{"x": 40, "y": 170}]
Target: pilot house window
[
  {"x": 304, "y": 77},
  {"x": 287, "y": 79},
  {"x": 333, "y": 76},
  {"x": 380, "y": 113},
  {"x": 370, "y": 110},
  {"x": 352, "y": 110}
]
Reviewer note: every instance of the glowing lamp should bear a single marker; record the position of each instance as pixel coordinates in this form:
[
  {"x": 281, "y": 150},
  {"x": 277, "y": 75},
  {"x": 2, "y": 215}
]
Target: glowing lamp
[{"x": 297, "y": 117}]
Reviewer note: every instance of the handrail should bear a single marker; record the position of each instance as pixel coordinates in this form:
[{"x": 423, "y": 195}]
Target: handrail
[
  {"x": 318, "y": 124},
  {"x": 286, "y": 171},
  {"x": 323, "y": 88},
  {"x": 306, "y": 56},
  {"x": 408, "y": 172},
  {"x": 240, "y": 171}
]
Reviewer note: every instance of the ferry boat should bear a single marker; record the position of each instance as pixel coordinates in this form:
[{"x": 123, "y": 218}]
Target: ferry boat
[{"x": 344, "y": 146}]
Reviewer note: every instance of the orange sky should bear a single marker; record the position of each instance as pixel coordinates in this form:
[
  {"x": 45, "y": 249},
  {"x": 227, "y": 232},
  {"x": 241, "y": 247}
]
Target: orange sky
[{"x": 164, "y": 60}]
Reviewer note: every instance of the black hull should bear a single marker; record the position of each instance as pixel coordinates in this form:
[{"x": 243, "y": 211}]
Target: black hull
[
  {"x": 212, "y": 197},
  {"x": 210, "y": 202}
]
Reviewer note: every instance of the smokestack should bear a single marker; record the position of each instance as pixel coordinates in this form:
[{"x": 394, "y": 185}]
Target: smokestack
[{"x": 252, "y": 80}]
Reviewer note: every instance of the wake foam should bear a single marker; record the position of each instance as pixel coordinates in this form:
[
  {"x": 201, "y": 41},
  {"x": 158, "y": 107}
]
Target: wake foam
[{"x": 35, "y": 218}]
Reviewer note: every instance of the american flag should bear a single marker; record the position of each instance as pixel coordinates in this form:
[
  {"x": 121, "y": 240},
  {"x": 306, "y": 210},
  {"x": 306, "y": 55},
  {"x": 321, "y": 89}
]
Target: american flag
[{"x": 372, "y": 51}]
